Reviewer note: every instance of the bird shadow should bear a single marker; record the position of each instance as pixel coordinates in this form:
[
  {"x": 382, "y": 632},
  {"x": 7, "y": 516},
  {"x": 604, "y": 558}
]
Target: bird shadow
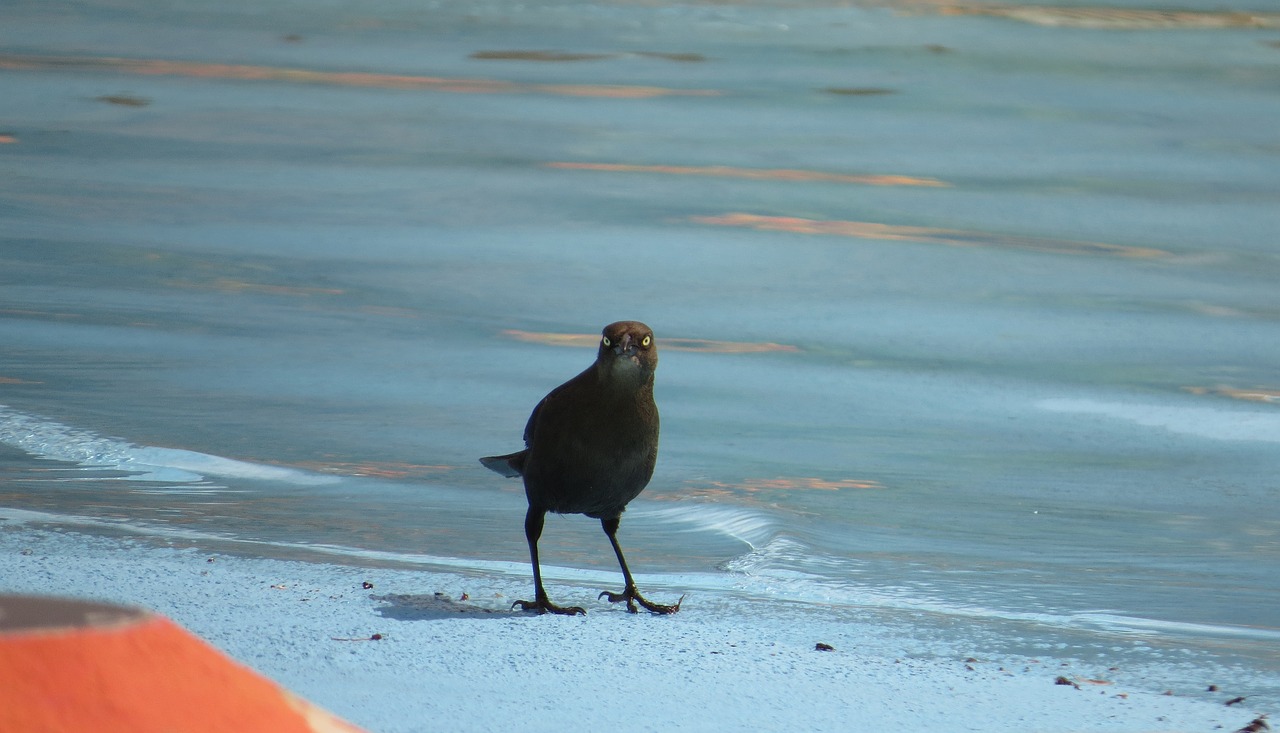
[{"x": 433, "y": 607}]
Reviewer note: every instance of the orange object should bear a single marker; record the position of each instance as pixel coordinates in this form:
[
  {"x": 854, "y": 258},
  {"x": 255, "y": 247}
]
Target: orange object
[{"x": 71, "y": 666}]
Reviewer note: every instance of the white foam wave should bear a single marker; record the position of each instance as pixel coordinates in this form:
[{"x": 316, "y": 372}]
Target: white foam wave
[
  {"x": 45, "y": 438},
  {"x": 768, "y": 572},
  {"x": 1147, "y": 625},
  {"x": 1205, "y": 422},
  {"x": 774, "y": 554},
  {"x": 341, "y": 552},
  {"x": 750, "y": 528}
]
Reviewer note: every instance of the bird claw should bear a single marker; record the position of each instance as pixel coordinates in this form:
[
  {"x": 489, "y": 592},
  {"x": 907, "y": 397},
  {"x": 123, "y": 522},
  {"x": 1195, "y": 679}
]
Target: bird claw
[
  {"x": 632, "y": 597},
  {"x": 620, "y": 597},
  {"x": 542, "y": 605}
]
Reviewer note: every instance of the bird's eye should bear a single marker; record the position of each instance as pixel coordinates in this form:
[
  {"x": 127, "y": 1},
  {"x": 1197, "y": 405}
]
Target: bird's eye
[
  {"x": 606, "y": 341},
  {"x": 647, "y": 340}
]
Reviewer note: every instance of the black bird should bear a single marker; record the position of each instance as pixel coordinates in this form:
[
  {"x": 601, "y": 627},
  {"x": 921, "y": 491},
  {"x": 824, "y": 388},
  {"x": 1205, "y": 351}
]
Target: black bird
[{"x": 591, "y": 445}]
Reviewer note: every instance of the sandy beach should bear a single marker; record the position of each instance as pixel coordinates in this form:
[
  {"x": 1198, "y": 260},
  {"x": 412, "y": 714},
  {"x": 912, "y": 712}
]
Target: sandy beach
[{"x": 452, "y": 657}]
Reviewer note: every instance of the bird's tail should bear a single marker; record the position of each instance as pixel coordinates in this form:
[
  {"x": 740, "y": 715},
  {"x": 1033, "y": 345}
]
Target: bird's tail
[{"x": 510, "y": 465}]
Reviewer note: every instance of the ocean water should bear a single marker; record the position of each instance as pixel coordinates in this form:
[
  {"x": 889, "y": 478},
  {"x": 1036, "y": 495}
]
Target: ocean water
[{"x": 969, "y": 314}]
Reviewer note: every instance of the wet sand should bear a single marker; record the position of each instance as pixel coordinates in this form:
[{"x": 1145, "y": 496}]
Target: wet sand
[{"x": 449, "y": 655}]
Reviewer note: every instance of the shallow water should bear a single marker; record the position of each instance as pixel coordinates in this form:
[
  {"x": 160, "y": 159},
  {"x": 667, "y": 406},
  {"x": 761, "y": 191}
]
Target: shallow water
[{"x": 966, "y": 318}]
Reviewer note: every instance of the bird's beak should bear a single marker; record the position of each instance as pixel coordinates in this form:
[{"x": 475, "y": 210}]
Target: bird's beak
[{"x": 624, "y": 346}]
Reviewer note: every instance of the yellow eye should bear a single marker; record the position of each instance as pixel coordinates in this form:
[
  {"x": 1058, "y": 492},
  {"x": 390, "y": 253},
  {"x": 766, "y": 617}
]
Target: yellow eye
[
  {"x": 606, "y": 341},
  {"x": 647, "y": 340}
]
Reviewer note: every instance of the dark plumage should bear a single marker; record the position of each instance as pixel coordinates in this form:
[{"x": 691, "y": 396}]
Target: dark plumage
[{"x": 591, "y": 445}]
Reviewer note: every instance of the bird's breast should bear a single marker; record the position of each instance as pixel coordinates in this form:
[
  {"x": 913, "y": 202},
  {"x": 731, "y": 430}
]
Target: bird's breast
[{"x": 595, "y": 462}]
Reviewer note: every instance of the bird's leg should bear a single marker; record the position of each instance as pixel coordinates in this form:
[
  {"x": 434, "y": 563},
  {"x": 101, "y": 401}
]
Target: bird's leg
[
  {"x": 532, "y": 531},
  {"x": 629, "y": 592}
]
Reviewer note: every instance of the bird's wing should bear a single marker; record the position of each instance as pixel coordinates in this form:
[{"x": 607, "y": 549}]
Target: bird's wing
[
  {"x": 512, "y": 464},
  {"x": 531, "y": 427}
]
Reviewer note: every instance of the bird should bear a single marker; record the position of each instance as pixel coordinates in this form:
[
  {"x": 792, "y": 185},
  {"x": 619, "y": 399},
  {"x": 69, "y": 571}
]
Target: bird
[{"x": 590, "y": 448}]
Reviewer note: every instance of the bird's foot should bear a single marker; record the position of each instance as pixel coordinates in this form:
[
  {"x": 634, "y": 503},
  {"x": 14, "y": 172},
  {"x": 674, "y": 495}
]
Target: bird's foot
[
  {"x": 632, "y": 597},
  {"x": 544, "y": 605}
]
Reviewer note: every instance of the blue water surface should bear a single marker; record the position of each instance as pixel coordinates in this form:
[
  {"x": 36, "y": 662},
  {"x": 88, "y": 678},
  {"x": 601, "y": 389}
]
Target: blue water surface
[{"x": 967, "y": 316}]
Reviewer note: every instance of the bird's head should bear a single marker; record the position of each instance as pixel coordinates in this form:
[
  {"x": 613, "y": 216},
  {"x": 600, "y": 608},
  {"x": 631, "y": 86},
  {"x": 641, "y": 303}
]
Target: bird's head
[{"x": 627, "y": 349}]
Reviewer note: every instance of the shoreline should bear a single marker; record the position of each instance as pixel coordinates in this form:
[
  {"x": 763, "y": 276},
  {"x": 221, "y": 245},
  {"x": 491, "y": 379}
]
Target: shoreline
[{"x": 445, "y": 660}]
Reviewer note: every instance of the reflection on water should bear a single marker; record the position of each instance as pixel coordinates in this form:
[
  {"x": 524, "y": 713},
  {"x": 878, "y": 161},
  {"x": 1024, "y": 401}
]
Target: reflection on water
[
  {"x": 754, "y": 174},
  {"x": 273, "y": 276},
  {"x": 927, "y": 235},
  {"x": 164, "y": 67},
  {"x": 1120, "y": 18}
]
